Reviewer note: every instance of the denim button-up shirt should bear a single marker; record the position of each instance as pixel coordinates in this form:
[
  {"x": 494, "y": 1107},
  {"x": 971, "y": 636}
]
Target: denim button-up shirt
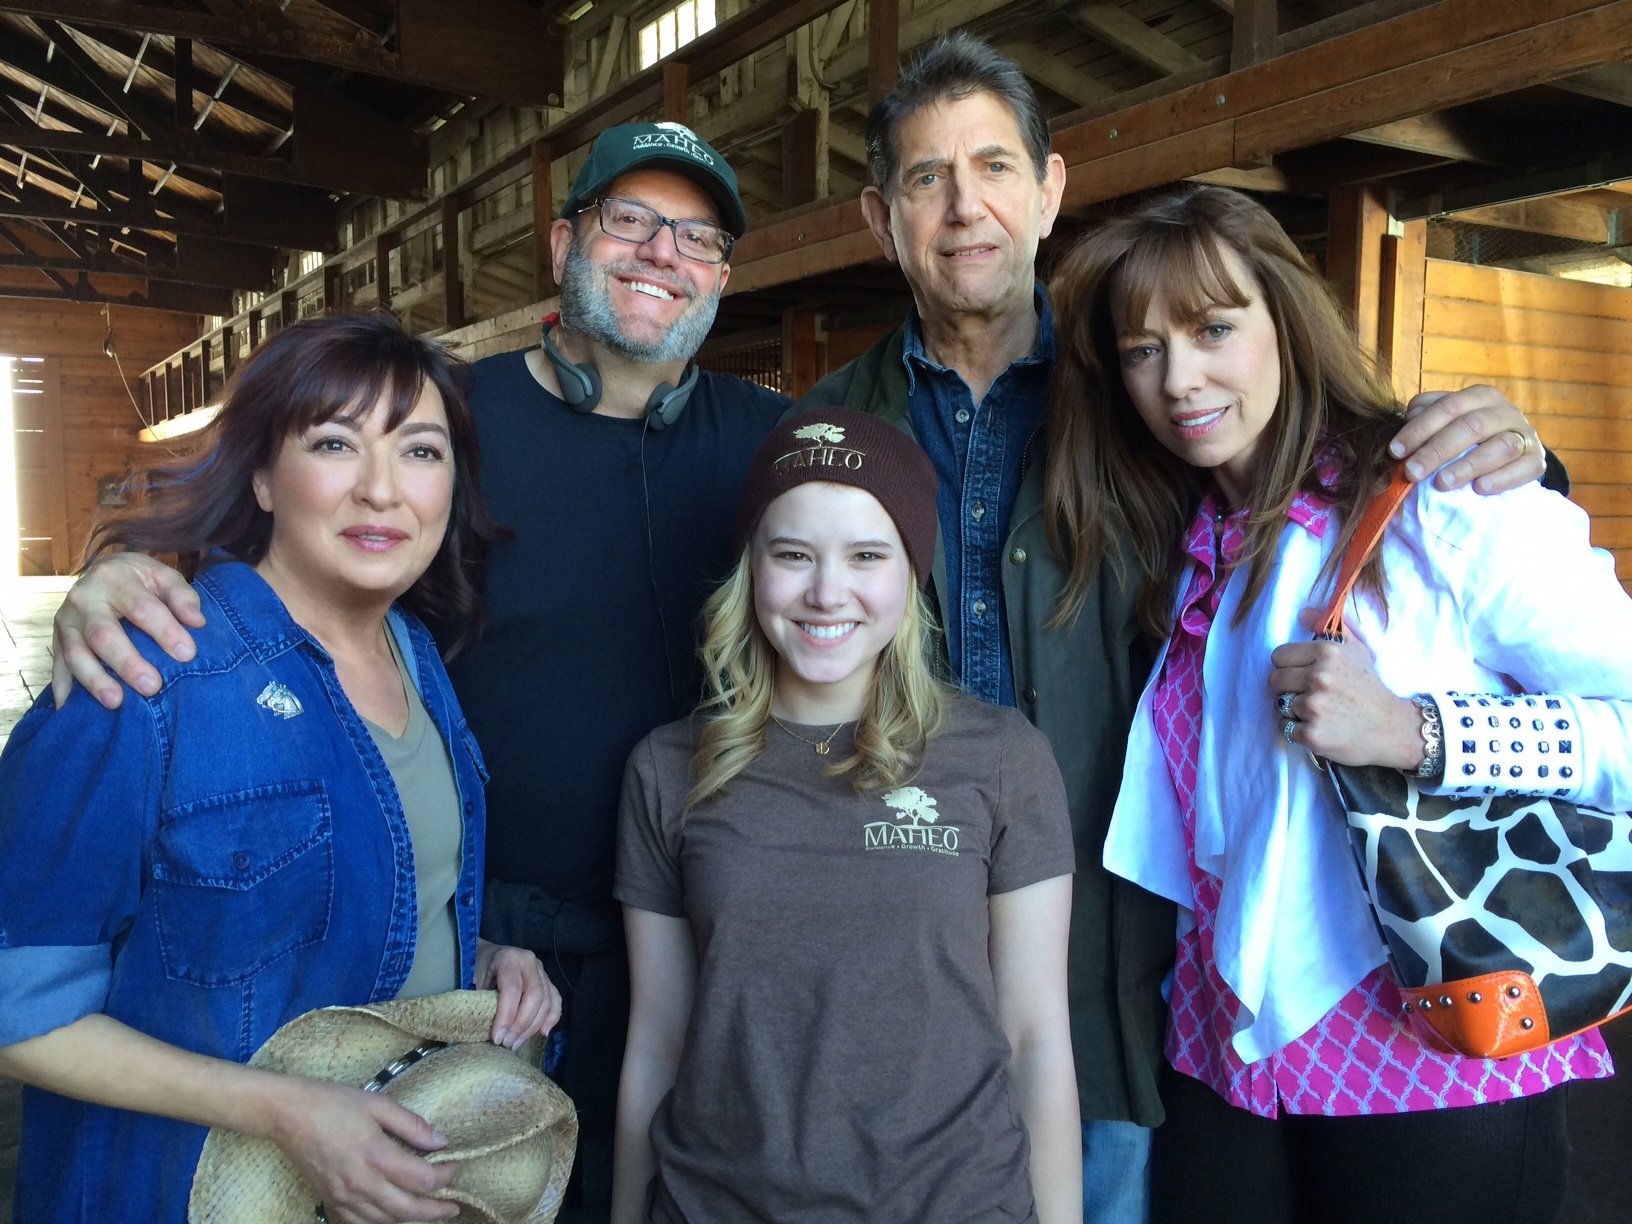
[
  {"x": 979, "y": 452},
  {"x": 204, "y": 865}
]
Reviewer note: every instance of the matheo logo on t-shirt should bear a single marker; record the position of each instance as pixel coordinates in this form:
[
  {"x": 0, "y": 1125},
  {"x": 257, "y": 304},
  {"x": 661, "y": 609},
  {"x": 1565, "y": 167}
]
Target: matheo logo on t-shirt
[{"x": 915, "y": 825}]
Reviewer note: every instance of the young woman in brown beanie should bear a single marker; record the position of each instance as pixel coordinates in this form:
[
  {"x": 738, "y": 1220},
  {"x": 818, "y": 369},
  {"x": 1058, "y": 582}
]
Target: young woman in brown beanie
[{"x": 846, "y": 888}]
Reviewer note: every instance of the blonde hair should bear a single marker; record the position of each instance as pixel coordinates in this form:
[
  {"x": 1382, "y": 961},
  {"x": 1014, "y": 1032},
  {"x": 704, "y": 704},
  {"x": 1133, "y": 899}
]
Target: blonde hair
[
  {"x": 906, "y": 708},
  {"x": 1110, "y": 485}
]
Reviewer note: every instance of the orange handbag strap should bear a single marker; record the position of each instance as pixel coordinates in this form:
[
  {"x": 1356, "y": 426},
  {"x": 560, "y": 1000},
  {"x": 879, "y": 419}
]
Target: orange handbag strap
[{"x": 1373, "y": 522}]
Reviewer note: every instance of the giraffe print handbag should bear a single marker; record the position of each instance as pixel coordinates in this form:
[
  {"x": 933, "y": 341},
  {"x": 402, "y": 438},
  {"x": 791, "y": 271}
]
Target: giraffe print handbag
[{"x": 1508, "y": 919}]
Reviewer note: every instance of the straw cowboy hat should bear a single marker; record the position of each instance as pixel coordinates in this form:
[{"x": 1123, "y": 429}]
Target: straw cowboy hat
[{"x": 512, "y": 1131}]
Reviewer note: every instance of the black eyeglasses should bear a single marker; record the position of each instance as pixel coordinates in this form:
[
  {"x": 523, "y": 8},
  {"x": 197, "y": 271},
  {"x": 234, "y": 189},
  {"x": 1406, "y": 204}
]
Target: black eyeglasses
[{"x": 630, "y": 222}]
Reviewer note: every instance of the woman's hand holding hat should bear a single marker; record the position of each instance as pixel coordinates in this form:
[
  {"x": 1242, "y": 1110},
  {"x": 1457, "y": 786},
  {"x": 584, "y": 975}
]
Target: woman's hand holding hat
[
  {"x": 529, "y": 1003},
  {"x": 349, "y": 1145}
]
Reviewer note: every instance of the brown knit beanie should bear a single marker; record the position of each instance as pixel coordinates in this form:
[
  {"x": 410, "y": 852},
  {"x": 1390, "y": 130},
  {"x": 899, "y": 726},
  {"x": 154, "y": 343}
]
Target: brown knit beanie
[{"x": 846, "y": 447}]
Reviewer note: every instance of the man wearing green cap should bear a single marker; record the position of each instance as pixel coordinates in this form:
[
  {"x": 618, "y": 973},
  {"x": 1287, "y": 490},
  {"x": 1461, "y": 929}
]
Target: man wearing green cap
[{"x": 615, "y": 462}]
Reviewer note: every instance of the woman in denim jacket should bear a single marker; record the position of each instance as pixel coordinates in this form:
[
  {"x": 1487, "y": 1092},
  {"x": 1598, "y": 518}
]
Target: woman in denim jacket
[{"x": 294, "y": 820}]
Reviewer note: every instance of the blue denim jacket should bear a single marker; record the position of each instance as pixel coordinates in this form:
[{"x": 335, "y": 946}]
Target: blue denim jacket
[
  {"x": 204, "y": 865},
  {"x": 980, "y": 456}
]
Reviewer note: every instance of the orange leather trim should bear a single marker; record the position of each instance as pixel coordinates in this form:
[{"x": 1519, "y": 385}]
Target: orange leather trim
[
  {"x": 1373, "y": 522},
  {"x": 1492, "y": 1027}
]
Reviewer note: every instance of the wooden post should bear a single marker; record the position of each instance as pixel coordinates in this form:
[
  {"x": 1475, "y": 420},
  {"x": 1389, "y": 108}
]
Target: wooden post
[
  {"x": 288, "y": 308},
  {"x": 1357, "y": 224},
  {"x": 883, "y": 48},
  {"x": 1405, "y": 295},
  {"x": 383, "y": 242},
  {"x": 205, "y": 356},
  {"x": 229, "y": 350},
  {"x": 183, "y": 77},
  {"x": 189, "y": 388},
  {"x": 1257, "y": 32},
  {"x": 254, "y": 329},
  {"x": 801, "y": 152},
  {"x": 674, "y": 91},
  {"x": 804, "y": 137},
  {"x": 543, "y": 213},
  {"x": 799, "y": 355},
  {"x": 453, "y": 297},
  {"x": 333, "y": 278}
]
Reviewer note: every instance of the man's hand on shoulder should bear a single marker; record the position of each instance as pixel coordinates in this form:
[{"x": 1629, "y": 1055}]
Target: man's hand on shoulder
[
  {"x": 1505, "y": 451},
  {"x": 88, "y": 637}
]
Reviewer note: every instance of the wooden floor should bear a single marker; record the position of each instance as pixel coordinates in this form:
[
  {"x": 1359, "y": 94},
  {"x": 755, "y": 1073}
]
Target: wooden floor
[{"x": 1600, "y": 1114}]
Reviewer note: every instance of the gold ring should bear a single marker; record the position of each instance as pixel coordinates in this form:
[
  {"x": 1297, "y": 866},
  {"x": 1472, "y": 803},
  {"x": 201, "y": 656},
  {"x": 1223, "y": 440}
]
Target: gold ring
[{"x": 1524, "y": 439}]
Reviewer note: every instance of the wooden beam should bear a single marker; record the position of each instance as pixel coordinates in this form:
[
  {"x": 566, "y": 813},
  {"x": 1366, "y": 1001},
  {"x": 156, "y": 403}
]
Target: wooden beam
[
  {"x": 726, "y": 44},
  {"x": 503, "y": 49},
  {"x": 280, "y": 214},
  {"x": 833, "y": 31},
  {"x": 1529, "y": 55},
  {"x": 1405, "y": 295},
  {"x": 1256, "y": 32},
  {"x": 674, "y": 91},
  {"x": 182, "y": 76},
  {"x": 609, "y": 55},
  {"x": 362, "y": 175},
  {"x": 1122, "y": 31},
  {"x": 1561, "y": 218},
  {"x": 799, "y": 352},
  {"x": 1075, "y": 86},
  {"x": 883, "y": 48},
  {"x": 1607, "y": 83},
  {"x": 846, "y": 144},
  {"x": 543, "y": 214},
  {"x": 803, "y": 157},
  {"x": 1446, "y": 136},
  {"x": 384, "y": 241},
  {"x": 343, "y": 144},
  {"x": 453, "y": 298}
]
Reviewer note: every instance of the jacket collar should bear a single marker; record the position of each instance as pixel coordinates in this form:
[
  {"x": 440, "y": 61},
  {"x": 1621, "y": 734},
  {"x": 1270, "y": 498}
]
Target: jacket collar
[{"x": 251, "y": 607}]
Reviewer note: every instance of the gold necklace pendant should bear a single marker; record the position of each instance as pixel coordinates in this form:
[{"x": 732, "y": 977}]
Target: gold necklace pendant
[{"x": 822, "y": 745}]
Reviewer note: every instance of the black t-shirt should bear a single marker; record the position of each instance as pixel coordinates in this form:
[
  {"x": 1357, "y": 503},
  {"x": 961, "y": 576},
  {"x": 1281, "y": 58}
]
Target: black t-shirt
[{"x": 621, "y": 532}]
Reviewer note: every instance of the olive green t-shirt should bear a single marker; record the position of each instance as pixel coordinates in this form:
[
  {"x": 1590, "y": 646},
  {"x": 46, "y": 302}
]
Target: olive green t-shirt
[
  {"x": 423, "y": 773},
  {"x": 844, "y": 1059}
]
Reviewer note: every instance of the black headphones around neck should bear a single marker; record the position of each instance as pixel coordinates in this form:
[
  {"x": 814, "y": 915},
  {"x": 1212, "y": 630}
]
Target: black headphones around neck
[{"x": 581, "y": 384}]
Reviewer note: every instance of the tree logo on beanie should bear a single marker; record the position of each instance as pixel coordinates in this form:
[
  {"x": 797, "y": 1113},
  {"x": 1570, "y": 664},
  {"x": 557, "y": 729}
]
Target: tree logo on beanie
[
  {"x": 821, "y": 432},
  {"x": 824, "y": 450}
]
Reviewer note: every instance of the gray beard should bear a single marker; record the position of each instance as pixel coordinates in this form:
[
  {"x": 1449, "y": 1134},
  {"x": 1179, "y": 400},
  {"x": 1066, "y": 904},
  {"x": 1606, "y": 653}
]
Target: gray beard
[{"x": 586, "y": 309}]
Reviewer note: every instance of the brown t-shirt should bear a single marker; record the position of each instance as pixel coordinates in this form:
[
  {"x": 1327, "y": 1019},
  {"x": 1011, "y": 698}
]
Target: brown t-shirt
[{"x": 844, "y": 1059}]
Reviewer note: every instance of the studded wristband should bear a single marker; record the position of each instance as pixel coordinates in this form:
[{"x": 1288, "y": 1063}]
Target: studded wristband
[{"x": 1433, "y": 738}]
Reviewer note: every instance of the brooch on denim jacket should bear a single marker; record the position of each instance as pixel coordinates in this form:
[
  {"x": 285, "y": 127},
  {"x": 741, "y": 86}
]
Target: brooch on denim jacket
[{"x": 279, "y": 700}]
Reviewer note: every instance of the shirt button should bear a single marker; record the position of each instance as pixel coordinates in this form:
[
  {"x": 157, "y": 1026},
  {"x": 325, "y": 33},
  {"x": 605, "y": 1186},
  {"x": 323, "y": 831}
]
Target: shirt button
[
  {"x": 240, "y": 861},
  {"x": 1018, "y": 556},
  {"x": 1030, "y": 694},
  {"x": 470, "y": 807},
  {"x": 979, "y": 607},
  {"x": 467, "y": 900},
  {"x": 977, "y": 511},
  {"x": 961, "y": 416}
]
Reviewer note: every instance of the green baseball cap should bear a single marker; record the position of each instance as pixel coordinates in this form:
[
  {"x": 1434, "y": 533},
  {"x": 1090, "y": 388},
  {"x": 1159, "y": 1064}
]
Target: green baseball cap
[{"x": 674, "y": 146}]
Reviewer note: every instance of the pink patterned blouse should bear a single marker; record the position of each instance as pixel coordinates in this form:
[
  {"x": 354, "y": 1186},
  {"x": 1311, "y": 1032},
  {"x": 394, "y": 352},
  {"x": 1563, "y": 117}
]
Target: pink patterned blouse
[{"x": 1361, "y": 1057}]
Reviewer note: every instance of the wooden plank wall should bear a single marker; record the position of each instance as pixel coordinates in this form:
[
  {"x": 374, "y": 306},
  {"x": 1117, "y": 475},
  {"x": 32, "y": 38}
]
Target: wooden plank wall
[
  {"x": 1562, "y": 351},
  {"x": 86, "y": 406}
]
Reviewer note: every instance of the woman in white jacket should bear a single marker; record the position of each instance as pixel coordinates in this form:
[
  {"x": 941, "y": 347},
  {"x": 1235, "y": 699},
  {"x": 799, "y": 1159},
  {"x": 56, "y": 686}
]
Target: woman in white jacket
[{"x": 1212, "y": 408}]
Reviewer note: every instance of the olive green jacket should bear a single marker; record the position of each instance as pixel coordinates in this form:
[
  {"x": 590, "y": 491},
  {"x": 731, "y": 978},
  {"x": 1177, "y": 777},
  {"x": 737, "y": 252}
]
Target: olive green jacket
[{"x": 1078, "y": 684}]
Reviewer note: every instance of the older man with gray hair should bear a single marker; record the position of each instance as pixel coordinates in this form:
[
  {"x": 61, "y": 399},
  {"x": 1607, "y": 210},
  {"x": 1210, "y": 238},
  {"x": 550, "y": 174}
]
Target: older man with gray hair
[{"x": 964, "y": 188}]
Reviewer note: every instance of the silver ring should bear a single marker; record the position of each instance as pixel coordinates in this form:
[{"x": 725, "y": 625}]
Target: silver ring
[
  {"x": 1289, "y": 726},
  {"x": 1283, "y": 705}
]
